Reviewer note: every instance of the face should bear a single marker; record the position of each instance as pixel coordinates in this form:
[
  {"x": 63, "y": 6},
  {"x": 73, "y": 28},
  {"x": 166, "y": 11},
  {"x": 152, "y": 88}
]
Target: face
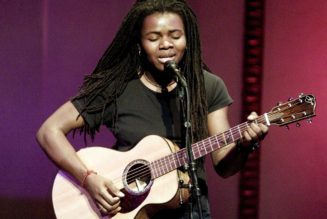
[{"x": 163, "y": 38}]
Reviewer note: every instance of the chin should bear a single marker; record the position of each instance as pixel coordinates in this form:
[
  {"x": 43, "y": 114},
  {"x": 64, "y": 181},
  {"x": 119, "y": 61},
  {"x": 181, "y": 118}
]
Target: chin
[{"x": 160, "y": 66}]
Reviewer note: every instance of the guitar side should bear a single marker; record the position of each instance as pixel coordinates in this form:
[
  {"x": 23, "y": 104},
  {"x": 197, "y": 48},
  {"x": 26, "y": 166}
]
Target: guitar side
[{"x": 70, "y": 200}]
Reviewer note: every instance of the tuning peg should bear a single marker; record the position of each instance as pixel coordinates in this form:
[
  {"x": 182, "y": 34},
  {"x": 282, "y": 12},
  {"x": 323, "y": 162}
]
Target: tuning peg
[
  {"x": 298, "y": 124},
  {"x": 290, "y": 98},
  {"x": 301, "y": 95},
  {"x": 309, "y": 121},
  {"x": 287, "y": 127},
  {"x": 279, "y": 103}
]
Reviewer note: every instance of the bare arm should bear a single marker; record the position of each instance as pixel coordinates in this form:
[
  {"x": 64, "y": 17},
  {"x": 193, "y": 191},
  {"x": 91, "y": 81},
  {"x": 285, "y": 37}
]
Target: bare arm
[
  {"x": 52, "y": 138},
  {"x": 229, "y": 160}
]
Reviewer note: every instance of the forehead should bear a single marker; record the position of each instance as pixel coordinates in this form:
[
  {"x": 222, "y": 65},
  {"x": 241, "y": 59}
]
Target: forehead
[{"x": 159, "y": 21}]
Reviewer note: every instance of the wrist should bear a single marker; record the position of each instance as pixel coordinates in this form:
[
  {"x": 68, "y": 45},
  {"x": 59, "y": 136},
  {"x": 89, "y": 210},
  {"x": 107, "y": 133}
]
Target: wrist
[{"x": 86, "y": 175}]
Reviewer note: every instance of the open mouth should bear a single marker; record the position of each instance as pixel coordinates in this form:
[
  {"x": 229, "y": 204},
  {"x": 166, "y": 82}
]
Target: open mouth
[{"x": 163, "y": 60}]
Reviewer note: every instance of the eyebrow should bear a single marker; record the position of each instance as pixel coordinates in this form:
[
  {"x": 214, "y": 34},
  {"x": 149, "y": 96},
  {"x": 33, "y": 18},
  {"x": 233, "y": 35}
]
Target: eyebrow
[{"x": 159, "y": 33}]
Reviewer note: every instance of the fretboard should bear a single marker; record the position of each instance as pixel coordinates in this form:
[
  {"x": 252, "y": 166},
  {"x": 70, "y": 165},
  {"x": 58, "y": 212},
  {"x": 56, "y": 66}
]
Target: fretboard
[{"x": 175, "y": 160}]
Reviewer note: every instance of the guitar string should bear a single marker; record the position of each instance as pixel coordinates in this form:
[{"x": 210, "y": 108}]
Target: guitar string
[{"x": 163, "y": 164}]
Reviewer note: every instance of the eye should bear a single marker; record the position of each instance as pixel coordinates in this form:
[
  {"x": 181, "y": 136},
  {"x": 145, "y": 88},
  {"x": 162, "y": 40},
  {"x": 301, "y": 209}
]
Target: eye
[
  {"x": 176, "y": 35},
  {"x": 153, "y": 37}
]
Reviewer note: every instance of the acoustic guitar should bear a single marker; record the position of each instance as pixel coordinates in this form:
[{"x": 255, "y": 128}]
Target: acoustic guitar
[{"x": 148, "y": 174}]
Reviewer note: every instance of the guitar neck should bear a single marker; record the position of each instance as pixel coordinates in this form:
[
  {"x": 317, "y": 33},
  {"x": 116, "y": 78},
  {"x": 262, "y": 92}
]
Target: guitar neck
[
  {"x": 202, "y": 148},
  {"x": 283, "y": 114}
]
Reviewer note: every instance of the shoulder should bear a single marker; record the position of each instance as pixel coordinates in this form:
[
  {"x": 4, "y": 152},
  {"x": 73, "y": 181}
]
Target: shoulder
[
  {"x": 216, "y": 91},
  {"x": 213, "y": 83},
  {"x": 211, "y": 79}
]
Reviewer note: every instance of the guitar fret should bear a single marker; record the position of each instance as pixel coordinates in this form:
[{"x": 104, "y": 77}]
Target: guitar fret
[
  {"x": 169, "y": 167},
  {"x": 200, "y": 151},
  {"x": 211, "y": 148},
  {"x": 205, "y": 146},
  {"x": 161, "y": 171},
  {"x": 152, "y": 169},
  {"x": 231, "y": 133},
  {"x": 195, "y": 150},
  {"x": 171, "y": 162},
  {"x": 224, "y": 137},
  {"x": 217, "y": 140},
  {"x": 177, "y": 158},
  {"x": 165, "y": 167},
  {"x": 157, "y": 168},
  {"x": 174, "y": 164},
  {"x": 239, "y": 131},
  {"x": 196, "y": 155},
  {"x": 185, "y": 158}
]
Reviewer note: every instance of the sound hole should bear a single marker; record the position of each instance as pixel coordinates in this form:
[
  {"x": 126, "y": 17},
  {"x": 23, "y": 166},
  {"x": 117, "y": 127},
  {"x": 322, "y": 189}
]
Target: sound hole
[{"x": 138, "y": 177}]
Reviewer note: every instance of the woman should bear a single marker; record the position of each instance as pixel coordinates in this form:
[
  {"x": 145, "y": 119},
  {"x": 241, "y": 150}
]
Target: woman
[{"x": 131, "y": 93}]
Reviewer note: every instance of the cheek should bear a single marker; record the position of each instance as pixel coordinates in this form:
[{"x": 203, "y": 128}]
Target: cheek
[
  {"x": 149, "y": 49},
  {"x": 181, "y": 48}
]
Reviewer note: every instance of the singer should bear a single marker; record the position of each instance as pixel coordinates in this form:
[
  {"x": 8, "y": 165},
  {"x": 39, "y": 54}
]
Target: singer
[{"x": 132, "y": 94}]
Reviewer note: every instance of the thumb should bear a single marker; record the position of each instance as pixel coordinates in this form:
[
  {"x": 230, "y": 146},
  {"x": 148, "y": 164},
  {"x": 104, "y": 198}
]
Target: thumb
[
  {"x": 119, "y": 193},
  {"x": 252, "y": 116},
  {"x": 115, "y": 191}
]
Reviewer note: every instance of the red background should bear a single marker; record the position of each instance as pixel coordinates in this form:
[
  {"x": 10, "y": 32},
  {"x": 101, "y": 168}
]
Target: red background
[{"x": 46, "y": 47}]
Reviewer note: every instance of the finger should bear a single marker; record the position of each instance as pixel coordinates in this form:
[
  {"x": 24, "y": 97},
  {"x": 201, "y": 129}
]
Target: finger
[
  {"x": 114, "y": 191},
  {"x": 102, "y": 209},
  {"x": 256, "y": 129},
  {"x": 263, "y": 128},
  {"x": 264, "y": 131},
  {"x": 115, "y": 211},
  {"x": 253, "y": 131},
  {"x": 247, "y": 136},
  {"x": 250, "y": 134},
  {"x": 111, "y": 211},
  {"x": 106, "y": 196},
  {"x": 108, "y": 203},
  {"x": 252, "y": 116}
]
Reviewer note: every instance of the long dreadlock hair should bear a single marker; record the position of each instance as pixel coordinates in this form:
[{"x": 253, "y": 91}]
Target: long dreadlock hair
[{"x": 121, "y": 61}]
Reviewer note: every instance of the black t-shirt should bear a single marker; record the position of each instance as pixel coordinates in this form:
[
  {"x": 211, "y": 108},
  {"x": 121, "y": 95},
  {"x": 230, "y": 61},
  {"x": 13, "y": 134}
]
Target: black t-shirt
[{"x": 142, "y": 112}]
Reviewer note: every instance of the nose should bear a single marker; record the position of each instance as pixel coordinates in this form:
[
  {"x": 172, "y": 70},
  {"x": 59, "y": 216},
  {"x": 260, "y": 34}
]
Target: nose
[{"x": 165, "y": 43}]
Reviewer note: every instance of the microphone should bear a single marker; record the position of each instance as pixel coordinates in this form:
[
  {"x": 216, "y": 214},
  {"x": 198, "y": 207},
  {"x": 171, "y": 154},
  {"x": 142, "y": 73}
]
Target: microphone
[{"x": 171, "y": 66}]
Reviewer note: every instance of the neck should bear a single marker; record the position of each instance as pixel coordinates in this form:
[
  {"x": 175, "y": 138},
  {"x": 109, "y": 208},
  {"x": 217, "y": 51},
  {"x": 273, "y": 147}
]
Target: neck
[{"x": 149, "y": 81}]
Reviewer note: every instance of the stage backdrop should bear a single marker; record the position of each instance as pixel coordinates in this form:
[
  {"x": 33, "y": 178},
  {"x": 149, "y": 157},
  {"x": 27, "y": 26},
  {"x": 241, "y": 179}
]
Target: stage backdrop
[{"x": 46, "y": 47}]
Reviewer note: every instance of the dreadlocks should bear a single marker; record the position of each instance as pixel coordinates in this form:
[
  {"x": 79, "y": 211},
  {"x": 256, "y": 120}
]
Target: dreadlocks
[{"x": 121, "y": 61}]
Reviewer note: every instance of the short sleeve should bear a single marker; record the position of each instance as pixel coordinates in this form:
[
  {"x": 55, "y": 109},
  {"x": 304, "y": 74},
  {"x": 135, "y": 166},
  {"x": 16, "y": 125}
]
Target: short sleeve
[
  {"x": 216, "y": 91},
  {"x": 93, "y": 119}
]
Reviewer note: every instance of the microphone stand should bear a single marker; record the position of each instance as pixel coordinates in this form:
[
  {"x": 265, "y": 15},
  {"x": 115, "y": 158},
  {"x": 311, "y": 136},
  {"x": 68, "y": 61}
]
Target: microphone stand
[{"x": 195, "y": 189}]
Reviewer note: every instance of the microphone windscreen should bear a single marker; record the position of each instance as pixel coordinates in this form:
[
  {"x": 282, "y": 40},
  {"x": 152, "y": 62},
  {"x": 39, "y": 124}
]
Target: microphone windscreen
[{"x": 171, "y": 65}]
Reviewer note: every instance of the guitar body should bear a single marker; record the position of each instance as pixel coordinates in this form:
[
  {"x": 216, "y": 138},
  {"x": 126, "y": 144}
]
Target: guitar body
[{"x": 143, "y": 197}]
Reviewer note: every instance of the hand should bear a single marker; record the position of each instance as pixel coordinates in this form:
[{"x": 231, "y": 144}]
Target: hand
[
  {"x": 255, "y": 132},
  {"x": 106, "y": 195}
]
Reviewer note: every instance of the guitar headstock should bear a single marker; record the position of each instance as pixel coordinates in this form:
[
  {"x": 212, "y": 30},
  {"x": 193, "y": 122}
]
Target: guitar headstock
[{"x": 294, "y": 110}]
